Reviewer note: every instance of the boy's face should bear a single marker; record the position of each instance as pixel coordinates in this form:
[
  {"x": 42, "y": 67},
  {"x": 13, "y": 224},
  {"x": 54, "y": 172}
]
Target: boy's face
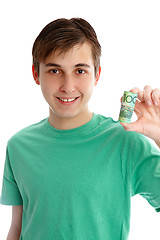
[{"x": 67, "y": 81}]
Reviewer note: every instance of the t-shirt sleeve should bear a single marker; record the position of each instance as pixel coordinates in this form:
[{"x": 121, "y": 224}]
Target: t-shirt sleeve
[
  {"x": 10, "y": 194},
  {"x": 145, "y": 172}
]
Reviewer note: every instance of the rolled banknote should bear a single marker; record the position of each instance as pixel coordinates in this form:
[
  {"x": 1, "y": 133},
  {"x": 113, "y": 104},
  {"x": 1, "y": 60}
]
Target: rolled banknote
[{"x": 127, "y": 106}]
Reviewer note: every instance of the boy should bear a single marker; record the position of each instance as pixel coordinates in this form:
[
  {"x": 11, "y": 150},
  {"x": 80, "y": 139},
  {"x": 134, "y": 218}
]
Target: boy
[{"x": 72, "y": 175}]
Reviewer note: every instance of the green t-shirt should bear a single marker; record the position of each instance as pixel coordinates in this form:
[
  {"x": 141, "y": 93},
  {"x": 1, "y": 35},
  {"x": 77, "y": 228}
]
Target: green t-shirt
[{"x": 77, "y": 184}]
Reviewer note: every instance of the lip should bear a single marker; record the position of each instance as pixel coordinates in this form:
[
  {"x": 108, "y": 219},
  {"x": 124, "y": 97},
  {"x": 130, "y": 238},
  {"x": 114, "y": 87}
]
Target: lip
[{"x": 67, "y": 103}]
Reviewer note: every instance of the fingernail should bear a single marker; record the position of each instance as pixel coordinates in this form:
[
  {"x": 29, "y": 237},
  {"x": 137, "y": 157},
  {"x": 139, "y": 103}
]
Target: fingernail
[{"x": 156, "y": 103}]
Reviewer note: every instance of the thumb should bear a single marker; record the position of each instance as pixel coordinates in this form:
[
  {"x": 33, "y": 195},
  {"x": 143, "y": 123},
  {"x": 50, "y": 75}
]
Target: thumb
[{"x": 131, "y": 126}]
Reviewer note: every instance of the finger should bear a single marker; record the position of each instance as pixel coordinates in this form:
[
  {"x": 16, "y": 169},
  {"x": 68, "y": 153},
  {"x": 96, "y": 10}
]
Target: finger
[
  {"x": 156, "y": 96},
  {"x": 139, "y": 92},
  {"x": 132, "y": 127},
  {"x": 148, "y": 95},
  {"x": 139, "y": 108}
]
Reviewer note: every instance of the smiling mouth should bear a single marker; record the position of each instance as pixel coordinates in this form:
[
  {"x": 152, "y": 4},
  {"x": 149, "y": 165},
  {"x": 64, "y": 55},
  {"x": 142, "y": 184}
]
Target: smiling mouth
[{"x": 67, "y": 100}]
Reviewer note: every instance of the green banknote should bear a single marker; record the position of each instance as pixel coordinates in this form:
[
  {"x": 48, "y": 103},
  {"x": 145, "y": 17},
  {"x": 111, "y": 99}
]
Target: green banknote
[{"x": 127, "y": 106}]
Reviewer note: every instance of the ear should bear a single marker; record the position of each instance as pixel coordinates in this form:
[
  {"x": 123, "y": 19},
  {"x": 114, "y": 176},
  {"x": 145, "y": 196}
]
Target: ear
[
  {"x": 35, "y": 75},
  {"x": 98, "y": 75}
]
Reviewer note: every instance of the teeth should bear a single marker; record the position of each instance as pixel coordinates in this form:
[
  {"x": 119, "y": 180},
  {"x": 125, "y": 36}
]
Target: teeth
[{"x": 67, "y": 100}]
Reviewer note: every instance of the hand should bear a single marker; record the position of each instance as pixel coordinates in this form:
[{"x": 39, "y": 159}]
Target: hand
[{"x": 147, "y": 109}]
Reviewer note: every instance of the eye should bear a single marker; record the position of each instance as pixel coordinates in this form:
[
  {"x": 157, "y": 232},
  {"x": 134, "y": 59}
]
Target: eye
[
  {"x": 81, "y": 71},
  {"x": 54, "y": 71}
]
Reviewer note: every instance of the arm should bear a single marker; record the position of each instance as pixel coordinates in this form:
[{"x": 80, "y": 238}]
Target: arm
[
  {"x": 16, "y": 225},
  {"x": 147, "y": 109}
]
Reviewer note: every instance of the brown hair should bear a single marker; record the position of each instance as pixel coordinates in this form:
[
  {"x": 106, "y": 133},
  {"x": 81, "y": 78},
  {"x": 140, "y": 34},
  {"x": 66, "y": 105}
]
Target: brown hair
[{"x": 63, "y": 34}]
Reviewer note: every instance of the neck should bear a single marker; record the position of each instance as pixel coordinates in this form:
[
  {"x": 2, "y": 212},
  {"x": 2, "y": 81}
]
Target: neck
[{"x": 69, "y": 123}]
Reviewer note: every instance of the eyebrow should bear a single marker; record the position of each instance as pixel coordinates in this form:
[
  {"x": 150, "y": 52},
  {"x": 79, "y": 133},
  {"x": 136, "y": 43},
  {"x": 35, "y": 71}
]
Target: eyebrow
[{"x": 57, "y": 65}]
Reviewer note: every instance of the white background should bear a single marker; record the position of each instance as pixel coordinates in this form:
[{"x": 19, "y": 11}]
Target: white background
[{"x": 129, "y": 33}]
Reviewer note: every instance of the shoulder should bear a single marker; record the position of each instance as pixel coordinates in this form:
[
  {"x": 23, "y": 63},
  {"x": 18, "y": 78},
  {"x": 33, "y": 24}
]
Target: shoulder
[
  {"x": 28, "y": 132},
  {"x": 133, "y": 145},
  {"x": 110, "y": 126}
]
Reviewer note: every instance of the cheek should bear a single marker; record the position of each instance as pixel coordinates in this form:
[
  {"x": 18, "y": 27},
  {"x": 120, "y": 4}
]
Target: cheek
[
  {"x": 49, "y": 87},
  {"x": 87, "y": 87},
  {"x": 45, "y": 92}
]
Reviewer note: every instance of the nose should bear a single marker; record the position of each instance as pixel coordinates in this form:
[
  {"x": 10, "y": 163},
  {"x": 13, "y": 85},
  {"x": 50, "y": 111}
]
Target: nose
[{"x": 67, "y": 85}]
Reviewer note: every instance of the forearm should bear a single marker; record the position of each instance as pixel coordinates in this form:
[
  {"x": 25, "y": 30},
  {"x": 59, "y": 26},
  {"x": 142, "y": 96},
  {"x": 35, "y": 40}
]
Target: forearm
[{"x": 14, "y": 234}]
